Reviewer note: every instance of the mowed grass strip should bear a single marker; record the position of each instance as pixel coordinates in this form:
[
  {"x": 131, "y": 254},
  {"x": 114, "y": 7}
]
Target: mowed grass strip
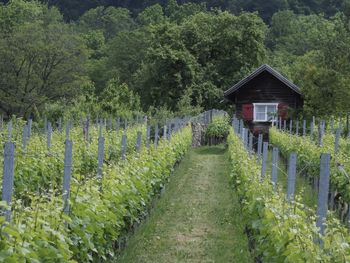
[{"x": 198, "y": 219}]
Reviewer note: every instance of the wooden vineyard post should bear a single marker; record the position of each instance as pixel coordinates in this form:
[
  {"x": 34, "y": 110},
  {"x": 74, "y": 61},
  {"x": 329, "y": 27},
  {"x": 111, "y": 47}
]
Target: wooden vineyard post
[
  {"x": 285, "y": 125},
  {"x": 165, "y": 132},
  {"x": 30, "y": 124},
  {"x": 243, "y": 137},
  {"x": 100, "y": 151},
  {"x": 9, "y": 128},
  {"x": 8, "y": 177},
  {"x": 125, "y": 124},
  {"x": 241, "y": 126},
  {"x": 260, "y": 141},
  {"x": 264, "y": 159},
  {"x": 237, "y": 126},
  {"x": 156, "y": 135},
  {"x": 45, "y": 124},
  {"x": 312, "y": 128},
  {"x": 124, "y": 145},
  {"x": 138, "y": 141},
  {"x": 290, "y": 126},
  {"x": 67, "y": 174},
  {"x": 148, "y": 137},
  {"x": 117, "y": 124},
  {"x": 322, "y": 202},
  {"x": 49, "y": 133},
  {"x": 297, "y": 128},
  {"x": 274, "y": 167},
  {"x": 169, "y": 131},
  {"x": 304, "y": 127},
  {"x": 320, "y": 135},
  {"x": 292, "y": 167},
  {"x": 246, "y": 139}
]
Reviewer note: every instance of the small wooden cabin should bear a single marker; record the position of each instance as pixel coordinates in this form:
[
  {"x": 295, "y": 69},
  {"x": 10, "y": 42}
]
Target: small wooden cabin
[{"x": 264, "y": 96}]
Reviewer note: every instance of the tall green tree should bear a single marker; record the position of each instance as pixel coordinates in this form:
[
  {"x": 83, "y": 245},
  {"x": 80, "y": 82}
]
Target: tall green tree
[
  {"x": 41, "y": 58},
  {"x": 108, "y": 20},
  {"x": 151, "y": 15},
  {"x": 206, "y": 52}
]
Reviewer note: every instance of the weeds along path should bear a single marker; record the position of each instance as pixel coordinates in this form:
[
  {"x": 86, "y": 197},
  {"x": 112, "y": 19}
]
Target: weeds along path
[{"x": 198, "y": 219}]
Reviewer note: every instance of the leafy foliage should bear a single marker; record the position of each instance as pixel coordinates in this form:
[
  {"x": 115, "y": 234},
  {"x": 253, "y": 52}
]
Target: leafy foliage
[
  {"x": 282, "y": 231},
  {"x": 218, "y": 128},
  {"x": 42, "y": 59},
  {"x": 309, "y": 157},
  {"x": 39, "y": 169},
  {"x": 42, "y": 233}
]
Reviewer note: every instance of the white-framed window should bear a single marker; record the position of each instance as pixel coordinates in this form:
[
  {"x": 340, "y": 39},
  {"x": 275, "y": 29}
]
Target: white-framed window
[{"x": 265, "y": 112}]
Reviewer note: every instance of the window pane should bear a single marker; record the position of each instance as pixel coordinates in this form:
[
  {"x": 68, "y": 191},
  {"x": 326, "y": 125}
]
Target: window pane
[
  {"x": 260, "y": 108},
  {"x": 271, "y": 112},
  {"x": 271, "y": 108},
  {"x": 260, "y": 116}
]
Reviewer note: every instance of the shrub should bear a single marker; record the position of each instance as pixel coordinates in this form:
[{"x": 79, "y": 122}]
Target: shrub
[{"x": 219, "y": 128}]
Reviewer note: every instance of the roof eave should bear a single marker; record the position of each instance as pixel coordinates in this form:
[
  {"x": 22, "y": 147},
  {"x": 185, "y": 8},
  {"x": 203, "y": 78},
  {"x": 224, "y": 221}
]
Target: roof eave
[{"x": 258, "y": 71}]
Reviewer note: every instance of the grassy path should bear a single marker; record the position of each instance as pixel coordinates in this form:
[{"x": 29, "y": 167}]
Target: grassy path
[{"x": 197, "y": 219}]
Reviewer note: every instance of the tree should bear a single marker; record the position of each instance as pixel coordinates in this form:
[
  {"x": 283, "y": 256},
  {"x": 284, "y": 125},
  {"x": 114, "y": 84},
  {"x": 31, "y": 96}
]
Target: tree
[
  {"x": 319, "y": 63},
  {"x": 298, "y": 34},
  {"x": 179, "y": 12},
  {"x": 117, "y": 98},
  {"x": 226, "y": 48},
  {"x": 186, "y": 107},
  {"x": 151, "y": 15},
  {"x": 265, "y": 8},
  {"x": 206, "y": 52},
  {"x": 167, "y": 69},
  {"x": 109, "y": 20},
  {"x": 325, "y": 90},
  {"x": 41, "y": 60},
  {"x": 123, "y": 56}
]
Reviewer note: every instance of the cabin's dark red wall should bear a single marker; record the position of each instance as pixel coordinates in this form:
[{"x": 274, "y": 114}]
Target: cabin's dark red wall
[{"x": 265, "y": 88}]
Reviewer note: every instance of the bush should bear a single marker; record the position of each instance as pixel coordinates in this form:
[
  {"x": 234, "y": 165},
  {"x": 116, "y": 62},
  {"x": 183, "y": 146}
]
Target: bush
[{"x": 219, "y": 128}]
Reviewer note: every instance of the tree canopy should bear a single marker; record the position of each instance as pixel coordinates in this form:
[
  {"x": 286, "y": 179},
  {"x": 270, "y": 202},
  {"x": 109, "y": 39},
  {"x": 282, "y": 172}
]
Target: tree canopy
[{"x": 169, "y": 55}]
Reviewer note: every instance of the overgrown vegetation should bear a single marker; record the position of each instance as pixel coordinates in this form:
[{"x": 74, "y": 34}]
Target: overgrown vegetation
[
  {"x": 281, "y": 230},
  {"x": 101, "y": 210},
  {"x": 219, "y": 128}
]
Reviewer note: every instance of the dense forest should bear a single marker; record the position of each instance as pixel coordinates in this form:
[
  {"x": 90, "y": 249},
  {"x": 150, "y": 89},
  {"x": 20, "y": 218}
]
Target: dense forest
[
  {"x": 118, "y": 57},
  {"x": 73, "y": 9}
]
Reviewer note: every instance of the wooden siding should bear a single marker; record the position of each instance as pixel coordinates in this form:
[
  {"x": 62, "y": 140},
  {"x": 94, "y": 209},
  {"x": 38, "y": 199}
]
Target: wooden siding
[{"x": 265, "y": 88}]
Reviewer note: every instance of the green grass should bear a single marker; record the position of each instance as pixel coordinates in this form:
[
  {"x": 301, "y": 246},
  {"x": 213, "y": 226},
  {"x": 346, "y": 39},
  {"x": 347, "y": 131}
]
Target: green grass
[
  {"x": 303, "y": 189},
  {"x": 198, "y": 218}
]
